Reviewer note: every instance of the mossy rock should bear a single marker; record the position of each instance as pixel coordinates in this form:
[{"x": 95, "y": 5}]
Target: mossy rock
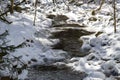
[
  {"x": 18, "y": 9},
  {"x": 92, "y": 19},
  {"x": 93, "y": 12}
]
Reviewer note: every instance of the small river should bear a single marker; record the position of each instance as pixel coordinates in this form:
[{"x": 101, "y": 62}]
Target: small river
[{"x": 69, "y": 41}]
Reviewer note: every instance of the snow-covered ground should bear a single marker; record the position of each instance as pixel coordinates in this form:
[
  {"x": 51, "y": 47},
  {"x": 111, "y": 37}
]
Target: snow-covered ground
[
  {"x": 35, "y": 49},
  {"x": 103, "y": 62}
]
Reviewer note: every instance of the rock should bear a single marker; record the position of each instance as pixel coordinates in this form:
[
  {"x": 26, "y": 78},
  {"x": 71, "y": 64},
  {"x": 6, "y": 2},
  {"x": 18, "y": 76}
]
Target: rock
[
  {"x": 89, "y": 78},
  {"x": 92, "y": 57},
  {"x": 74, "y": 60},
  {"x": 85, "y": 48},
  {"x": 92, "y": 19},
  {"x": 57, "y": 17},
  {"x": 96, "y": 42},
  {"x": 110, "y": 68},
  {"x": 61, "y": 65},
  {"x": 51, "y": 16},
  {"x": 61, "y": 18},
  {"x": 34, "y": 60}
]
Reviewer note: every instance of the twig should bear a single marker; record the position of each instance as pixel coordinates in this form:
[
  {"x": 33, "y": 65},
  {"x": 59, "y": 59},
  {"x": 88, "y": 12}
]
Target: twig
[{"x": 98, "y": 9}]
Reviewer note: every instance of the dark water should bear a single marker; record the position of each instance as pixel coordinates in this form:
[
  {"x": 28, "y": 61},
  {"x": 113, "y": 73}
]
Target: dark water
[
  {"x": 69, "y": 35},
  {"x": 69, "y": 42},
  {"x": 55, "y": 74}
]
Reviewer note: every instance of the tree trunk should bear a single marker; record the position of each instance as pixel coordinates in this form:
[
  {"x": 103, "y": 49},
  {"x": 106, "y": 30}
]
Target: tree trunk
[
  {"x": 35, "y": 11},
  {"x": 12, "y": 6},
  {"x": 114, "y": 7}
]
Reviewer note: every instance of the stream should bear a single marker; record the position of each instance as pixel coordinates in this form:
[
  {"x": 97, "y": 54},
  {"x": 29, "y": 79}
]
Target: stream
[
  {"x": 69, "y": 41},
  {"x": 55, "y": 74}
]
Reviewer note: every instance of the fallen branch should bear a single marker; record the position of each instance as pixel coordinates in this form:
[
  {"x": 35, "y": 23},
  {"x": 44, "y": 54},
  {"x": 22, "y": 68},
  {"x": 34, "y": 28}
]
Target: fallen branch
[
  {"x": 5, "y": 20},
  {"x": 98, "y": 9}
]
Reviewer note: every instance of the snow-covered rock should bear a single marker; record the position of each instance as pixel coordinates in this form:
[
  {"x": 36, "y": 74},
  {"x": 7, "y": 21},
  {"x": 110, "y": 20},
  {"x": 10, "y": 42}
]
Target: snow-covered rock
[
  {"x": 95, "y": 42},
  {"x": 23, "y": 75},
  {"x": 4, "y": 72},
  {"x": 95, "y": 75},
  {"x": 85, "y": 48},
  {"x": 109, "y": 68}
]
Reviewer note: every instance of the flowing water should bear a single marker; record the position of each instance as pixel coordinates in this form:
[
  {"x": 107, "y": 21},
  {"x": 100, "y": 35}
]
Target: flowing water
[
  {"x": 54, "y": 74},
  {"x": 69, "y": 35},
  {"x": 70, "y": 41}
]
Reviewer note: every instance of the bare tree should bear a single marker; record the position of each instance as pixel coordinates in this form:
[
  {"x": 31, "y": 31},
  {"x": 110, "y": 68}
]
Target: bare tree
[
  {"x": 114, "y": 7},
  {"x": 36, "y": 1},
  {"x": 12, "y": 6}
]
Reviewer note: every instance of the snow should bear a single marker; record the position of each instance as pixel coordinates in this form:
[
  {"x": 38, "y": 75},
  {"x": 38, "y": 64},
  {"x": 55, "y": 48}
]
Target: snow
[
  {"x": 102, "y": 61},
  {"x": 23, "y": 75},
  {"x": 4, "y": 72},
  {"x": 95, "y": 76},
  {"x": 37, "y": 46},
  {"x": 71, "y": 16}
]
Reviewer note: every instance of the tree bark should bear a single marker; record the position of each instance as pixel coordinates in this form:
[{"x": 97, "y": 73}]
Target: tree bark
[
  {"x": 35, "y": 11},
  {"x": 12, "y": 6},
  {"x": 114, "y": 7}
]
